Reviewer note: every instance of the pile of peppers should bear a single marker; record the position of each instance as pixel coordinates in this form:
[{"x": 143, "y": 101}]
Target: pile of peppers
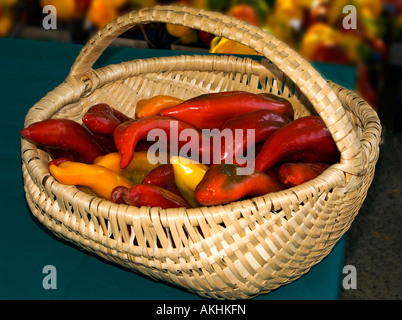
[{"x": 108, "y": 153}]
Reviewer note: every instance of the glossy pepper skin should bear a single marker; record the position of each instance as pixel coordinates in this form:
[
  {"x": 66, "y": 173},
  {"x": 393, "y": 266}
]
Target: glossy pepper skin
[
  {"x": 221, "y": 184},
  {"x": 67, "y": 135},
  {"x": 99, "y": 179},
  {"x": 209, "y": 111},
  {"x": 103, "y": 119},
  {"x": 263, "y": 123},
  {"x": 153, "y": 196},
  {"x": 163, "y": 177},
  {"x": 128, "y": 134},
  {"x": 294, "y": 174},
  {"x": 187, "y": 175},
  {"x": 154, "y": 105},
  {"x": 303, "y": 139}
]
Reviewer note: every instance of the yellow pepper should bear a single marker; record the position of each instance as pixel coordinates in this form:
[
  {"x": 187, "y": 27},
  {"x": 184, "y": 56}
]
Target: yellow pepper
[
  {"x": 136, "y": 171},
  {"x": 188, "y": 174},
  {"x": 317, "y": 34},
  {"x": 99, "y": 179},
  {"x": 177, "y": 30},
  {"x": 231, "y": 47},
  {"x": 110, "y": 161}
]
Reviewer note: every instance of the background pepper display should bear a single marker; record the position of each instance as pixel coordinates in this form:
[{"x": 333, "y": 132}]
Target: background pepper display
[{"x": 288, "y": 152}]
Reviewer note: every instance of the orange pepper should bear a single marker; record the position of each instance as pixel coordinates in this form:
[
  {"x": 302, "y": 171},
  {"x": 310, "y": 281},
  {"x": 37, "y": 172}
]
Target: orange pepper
[
  {"x": 152, "y": 106},
  {"x": 99, "y": 179}
]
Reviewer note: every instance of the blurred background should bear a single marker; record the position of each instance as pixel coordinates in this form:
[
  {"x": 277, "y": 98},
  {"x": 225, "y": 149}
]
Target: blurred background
[
  {"x": 315, "y": 28},
  {"x": 366, "y": 36}
]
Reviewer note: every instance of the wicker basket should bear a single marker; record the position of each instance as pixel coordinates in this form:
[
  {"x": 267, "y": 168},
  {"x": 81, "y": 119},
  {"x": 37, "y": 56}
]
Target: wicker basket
[{"x": 234, "y": 251}]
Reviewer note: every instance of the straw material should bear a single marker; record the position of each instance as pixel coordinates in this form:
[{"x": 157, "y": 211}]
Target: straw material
[{"x": 234, "y": 251}]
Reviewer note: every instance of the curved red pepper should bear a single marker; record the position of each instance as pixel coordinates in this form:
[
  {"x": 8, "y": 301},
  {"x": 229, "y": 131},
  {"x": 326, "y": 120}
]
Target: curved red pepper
[
  {"x": 103, "y": 119},
  {"x": 293, "y": 174},
  {"x": 128, "y": 134},
  {"x": 67, "y": 135},
  {"x": 262, "y": 122},
  {"x": 221, "y": 184},
  {"x": 209, "y": 111},
  {"x": 153, "y": 196},
  {"x": 306, "y": 137}
]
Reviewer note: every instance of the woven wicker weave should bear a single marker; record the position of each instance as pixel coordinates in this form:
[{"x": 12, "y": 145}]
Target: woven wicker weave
[{"x": 238, "y": 250}]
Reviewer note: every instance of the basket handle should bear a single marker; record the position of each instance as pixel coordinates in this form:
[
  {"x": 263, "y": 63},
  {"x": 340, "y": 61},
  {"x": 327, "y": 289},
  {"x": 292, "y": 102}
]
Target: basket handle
[{"x": 299, "y": 70}]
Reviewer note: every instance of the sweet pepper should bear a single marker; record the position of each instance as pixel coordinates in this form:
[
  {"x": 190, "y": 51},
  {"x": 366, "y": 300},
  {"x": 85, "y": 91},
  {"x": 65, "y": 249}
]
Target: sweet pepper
[
  {"x": 66, "y": 135},
  {"x": 128, "y": 134},
  {"x": 209, "y": 111},
  {"x": 262, "y": 122},
  {"x": 148, "y": 195},
  {"x": 152, "y": 106},
  {"x": 221, "y": 184},
  {"x": 187, "y": 175},
  {"x": 99, "y": 179},
  {"x": 293, "y": 174},
  {"x": 306, "y": 139},
  {"x": 103, "y": 119},
  {"x": 163, "y": 177}
]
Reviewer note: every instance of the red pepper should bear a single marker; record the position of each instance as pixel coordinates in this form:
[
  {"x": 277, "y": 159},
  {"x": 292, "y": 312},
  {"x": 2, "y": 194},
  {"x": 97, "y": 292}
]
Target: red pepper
[
  {"x": 128, "y": 134},
  {"x": 163, "y": 177},
  {"x": 293, "y": 174},
  {"x": 117, "y": 194},
  {"x": 153, "y": 196},
  {"x": 279, "y": 104},
  {"x": 263, "y": 123},
  {"x": 301, "y": 139},
  {"x": 209, "y": 111},
  {"x": 67, "y": 135},
  {"x": 61, "y": 154},
  {"x": 221, "y": 184},
  {"x": 103, "y": 119}
]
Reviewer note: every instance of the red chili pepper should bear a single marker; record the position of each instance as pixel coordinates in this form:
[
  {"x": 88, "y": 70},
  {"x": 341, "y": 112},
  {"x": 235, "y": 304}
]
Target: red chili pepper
[
  {"x": 117, "y": 194},
  {"x": 222, "y": 184},
  {"x": 209, "y": 111},
  {"x": 153, "y": 196},
  {"x": 262, "y": 122},
  {"x": 67, "y": 135},
  {"x": 128, "y": 134},
  {"x": 106, "y": 141},
  {"x": 293, "y": 174},
  {"x": 301, "y": 139},
  {"x": 163, "y": 177},
  {"x": 103, "y": 119}
]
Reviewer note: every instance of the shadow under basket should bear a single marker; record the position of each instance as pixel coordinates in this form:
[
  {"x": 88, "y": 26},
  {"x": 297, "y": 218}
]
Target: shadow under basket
[{"x": 235, "y": 251}]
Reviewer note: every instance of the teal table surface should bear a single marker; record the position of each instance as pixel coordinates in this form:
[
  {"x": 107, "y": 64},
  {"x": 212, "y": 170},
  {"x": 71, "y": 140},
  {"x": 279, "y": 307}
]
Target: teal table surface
[{"x": 28, "y": 70}]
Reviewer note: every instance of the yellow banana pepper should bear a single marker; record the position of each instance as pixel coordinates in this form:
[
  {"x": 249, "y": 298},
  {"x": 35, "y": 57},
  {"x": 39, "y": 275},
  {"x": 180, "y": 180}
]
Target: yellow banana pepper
[
  {"x": 188, "y": 174},
  {"x": 99, "y": 179}
]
